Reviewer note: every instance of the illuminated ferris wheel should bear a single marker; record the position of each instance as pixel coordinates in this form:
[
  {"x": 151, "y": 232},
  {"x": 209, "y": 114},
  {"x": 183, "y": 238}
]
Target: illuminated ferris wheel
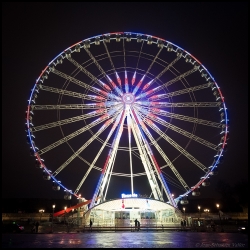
[{"x": 127, "y": 112}]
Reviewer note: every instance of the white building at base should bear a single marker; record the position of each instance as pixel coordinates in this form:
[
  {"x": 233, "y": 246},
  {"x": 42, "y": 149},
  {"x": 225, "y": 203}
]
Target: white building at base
[{"x": 123, "y": 212}]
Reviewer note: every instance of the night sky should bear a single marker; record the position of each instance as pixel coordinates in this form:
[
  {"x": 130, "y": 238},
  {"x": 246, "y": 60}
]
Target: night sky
[{"x": 34, "y": 33}]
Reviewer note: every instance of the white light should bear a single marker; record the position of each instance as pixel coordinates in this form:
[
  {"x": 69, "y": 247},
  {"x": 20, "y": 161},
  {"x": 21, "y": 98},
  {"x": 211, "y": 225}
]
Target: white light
[{"x": 129, "y": 195}]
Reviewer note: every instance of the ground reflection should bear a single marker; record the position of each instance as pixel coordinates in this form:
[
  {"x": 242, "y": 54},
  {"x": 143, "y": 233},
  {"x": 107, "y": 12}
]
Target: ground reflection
[{"x": 126, "y": 240}]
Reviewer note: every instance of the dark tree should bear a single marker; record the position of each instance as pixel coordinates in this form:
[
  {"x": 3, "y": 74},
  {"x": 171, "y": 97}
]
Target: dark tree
[
  {"x": 241, "y": 194},
  {"x": 230, "y": 196}
]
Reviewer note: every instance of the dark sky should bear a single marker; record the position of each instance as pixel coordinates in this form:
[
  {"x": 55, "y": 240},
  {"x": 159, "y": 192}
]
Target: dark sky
[{"x": 34, "y": 33}]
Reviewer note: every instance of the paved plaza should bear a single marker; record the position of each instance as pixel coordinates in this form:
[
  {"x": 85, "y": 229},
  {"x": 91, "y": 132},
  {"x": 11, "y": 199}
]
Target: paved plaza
[{"x": 126, "y": 240}]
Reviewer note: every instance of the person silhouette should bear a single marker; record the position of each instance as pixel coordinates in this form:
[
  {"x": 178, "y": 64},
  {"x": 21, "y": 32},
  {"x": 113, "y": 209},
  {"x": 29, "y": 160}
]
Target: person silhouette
[
  {"x": 33, "y": 230},
  {"x": 90, "y": 224},
  {"x": 182, "y": 224},
  {"x": 37, "y": 225},
  {"x": 185, "y": 223},
  {"x": 136, "y": 223}
]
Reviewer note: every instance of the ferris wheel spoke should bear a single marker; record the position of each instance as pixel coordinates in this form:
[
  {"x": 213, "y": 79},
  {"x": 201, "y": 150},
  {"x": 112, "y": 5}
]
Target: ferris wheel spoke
[
  {"x": 154, "y": 163},
  {"x": 84, "y": 85},
  {"x": 175, "y": 145},
  {"x": 111, "y": 157},
  {"x": 71, "y": 93},
  {"x": 126, "y": 81},
  {"x": 68, "y": 106},
  {"x": 185, "y": 118},
  {"x": 164, "y": 156},
  {"x": 167, "y": 84},
  {"x": 172, "y": 179},
  {"x": 77, "y": 106},
  {"x": 130, "y": 154},
  {"x": 118, "y": 91},
  {"x": 109, "y": 176},
  {"x": 146, "y": 86},
  {"x": 145, "y": 159},
  {"x": 145, "y": 155},
  {"x": 146, "y": 115},
  {"x": 69, "y": 120},
  {"x": 84, "y": 146},
  {"x": 180, "y": 104},
  {"x": 173, "y": 182},
  {"x": 149, "y": 68},
  {"x": 99, "y": 152},
  {"x": 112, "y": 64},
  {"x": 76, "y": 133},
  {"x": 139, "y": 57},
  {"x": 125, "y": 71},
  {"x": 103, "y": 178},
  {"x": 92, "y": 77},
  {"x": 179, "y": 92}
]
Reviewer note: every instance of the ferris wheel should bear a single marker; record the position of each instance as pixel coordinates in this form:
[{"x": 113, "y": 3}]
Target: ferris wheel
[{"x": 127, "y": 112}]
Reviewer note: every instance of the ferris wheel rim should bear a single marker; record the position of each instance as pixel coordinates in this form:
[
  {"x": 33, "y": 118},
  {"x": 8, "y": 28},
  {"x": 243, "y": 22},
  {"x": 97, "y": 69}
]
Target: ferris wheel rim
[{"x": 52, "y": 64}]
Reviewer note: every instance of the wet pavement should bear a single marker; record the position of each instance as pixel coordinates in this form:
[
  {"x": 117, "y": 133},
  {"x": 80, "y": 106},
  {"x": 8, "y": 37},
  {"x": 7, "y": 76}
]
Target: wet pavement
[{"x": 126, "y": 240}]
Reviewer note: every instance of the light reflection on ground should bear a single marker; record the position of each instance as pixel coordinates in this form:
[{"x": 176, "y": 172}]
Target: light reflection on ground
[{"x": 126, "y": 240}]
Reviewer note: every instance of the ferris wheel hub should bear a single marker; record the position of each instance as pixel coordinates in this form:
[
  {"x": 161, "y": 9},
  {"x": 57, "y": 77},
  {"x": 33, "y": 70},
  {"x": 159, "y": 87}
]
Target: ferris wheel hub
[{"x": 128, "y": 98}]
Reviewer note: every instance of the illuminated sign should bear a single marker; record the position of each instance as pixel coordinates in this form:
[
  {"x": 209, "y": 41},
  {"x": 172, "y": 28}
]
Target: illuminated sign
[{"x": 129, "y": 195}]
